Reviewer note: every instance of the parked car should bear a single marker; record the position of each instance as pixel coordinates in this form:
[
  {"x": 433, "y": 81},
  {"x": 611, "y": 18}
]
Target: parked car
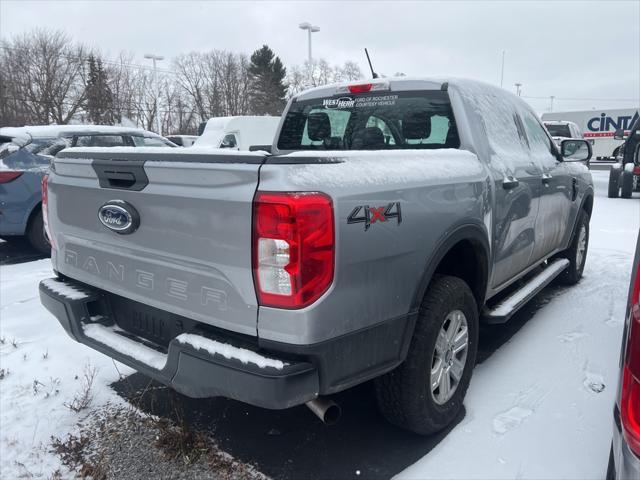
[
  {"x": 25, "y": 156},
  {"x": 183, "y": 140},
  {"x": 390, "y": 218},
  {"x": 237, "y": 133},
  {"x": 624, "y": 175},
  {"x": 561, "y": 130},
  {"x": 624, "y": 459}
]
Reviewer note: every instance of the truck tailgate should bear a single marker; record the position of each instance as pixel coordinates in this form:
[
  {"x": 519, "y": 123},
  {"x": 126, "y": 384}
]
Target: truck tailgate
[{"x": 190, "y": 254}]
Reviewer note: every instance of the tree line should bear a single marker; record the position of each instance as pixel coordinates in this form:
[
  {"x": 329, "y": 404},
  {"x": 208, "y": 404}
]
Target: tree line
[{"x": 46, "y": 77}]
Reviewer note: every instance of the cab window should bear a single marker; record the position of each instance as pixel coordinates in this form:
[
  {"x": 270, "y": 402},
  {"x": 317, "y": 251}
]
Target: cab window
[{"x": 229, "y": 141}]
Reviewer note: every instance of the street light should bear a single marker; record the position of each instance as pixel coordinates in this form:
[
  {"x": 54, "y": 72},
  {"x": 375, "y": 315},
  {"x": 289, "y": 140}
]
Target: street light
[
  {"x": 518, "y": 91},
  {"x": 155, "y": 81},
  {"x": 310, "y": 29}
]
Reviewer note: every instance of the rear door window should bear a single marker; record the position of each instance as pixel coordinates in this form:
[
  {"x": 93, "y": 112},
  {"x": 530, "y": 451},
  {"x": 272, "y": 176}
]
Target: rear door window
[
  {"x": 140, "y": 141},
  {"x": 101, "y": 141},
  {"x": 373, "y": 121}
]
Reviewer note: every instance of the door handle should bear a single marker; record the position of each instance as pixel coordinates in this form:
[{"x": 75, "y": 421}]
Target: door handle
[
  {"x": 546, "y": 178},
  {"x": 509, "y": 183}
]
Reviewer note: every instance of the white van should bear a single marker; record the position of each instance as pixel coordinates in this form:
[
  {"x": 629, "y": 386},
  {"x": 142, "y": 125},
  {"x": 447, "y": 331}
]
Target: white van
[{"x": 238, "y": 133}]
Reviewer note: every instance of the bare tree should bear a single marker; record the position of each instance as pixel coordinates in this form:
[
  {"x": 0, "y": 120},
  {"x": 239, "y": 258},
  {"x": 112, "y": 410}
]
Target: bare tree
[
  {"x": 320, "y": 72},
  {"x": 46, "y": 73}
]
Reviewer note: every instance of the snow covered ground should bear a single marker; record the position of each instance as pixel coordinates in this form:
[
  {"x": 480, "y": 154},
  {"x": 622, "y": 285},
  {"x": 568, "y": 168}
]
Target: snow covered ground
[
  {"x": 539, "y": 407},
  {"x": 41, "y": 372}
]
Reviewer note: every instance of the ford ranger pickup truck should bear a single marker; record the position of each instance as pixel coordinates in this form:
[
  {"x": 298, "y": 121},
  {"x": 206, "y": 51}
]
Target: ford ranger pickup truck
[{"x": 389, "y": 218}]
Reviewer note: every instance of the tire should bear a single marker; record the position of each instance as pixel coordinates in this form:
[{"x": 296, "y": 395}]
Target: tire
[
  {"x": 405, "y": 396},
  {"x": 626, "y": 188},
  {"x": 577, "y": 251},
  {"x": 36, "y": 235},
  {"x": 614, "y": 186}
]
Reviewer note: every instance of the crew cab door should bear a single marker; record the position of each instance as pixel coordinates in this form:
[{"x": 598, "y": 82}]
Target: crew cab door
[
  {"x": 517, "y": 191},
  {"x": 558, "y": 190}
]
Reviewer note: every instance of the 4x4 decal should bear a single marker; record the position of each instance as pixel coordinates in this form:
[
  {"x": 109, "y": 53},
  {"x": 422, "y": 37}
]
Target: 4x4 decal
[{"x": 371, "y": 215}]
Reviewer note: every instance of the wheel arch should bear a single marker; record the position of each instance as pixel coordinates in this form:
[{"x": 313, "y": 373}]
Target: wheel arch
[{"x": 464, "y": 253}]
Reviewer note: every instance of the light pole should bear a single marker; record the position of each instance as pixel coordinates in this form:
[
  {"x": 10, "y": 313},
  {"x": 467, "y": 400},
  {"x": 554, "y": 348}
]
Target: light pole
[
  {"x": 155, "y": 58},
  {"x": 310, "y": 29},
  {"x": 502, "y": 70},
  {"x": 518, "y": 91},
  {"x": 551, "y": 105}
]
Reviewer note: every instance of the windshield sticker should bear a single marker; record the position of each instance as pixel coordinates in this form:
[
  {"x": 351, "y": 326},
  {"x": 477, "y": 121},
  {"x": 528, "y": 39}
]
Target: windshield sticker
[
  {"x": 344, "y": 102},
  {"x": 360, "y": 102}
]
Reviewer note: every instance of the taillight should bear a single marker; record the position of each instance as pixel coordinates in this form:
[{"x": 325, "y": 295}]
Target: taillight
[
  {"x": 7, "y": 176},
  {"x": 630, "y": 397},
  {"x": 45, "y": 209},
  {"x": 293, "y": 247}
]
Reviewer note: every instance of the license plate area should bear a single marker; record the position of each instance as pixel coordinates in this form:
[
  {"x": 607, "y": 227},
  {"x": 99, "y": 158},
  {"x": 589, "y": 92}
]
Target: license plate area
[{"x": 152, "y": 324}]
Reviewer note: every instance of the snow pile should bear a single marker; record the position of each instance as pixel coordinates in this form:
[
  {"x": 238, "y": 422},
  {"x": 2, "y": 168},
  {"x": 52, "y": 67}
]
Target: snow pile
[
  {"x": 110, "y": 337},
  {"x": 229, "y": 351},
  {"x": 41, "y": 372},
  {"x": 406, "y": 167}
]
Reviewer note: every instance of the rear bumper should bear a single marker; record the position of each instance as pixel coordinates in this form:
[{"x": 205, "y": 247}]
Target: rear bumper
[
  {"x": 195, "y": 365},
  {"x": 627, "y": 465}
]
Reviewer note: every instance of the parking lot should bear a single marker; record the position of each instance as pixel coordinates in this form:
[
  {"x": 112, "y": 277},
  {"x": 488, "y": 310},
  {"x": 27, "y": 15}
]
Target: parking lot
[{"x": 539, "y": 405}]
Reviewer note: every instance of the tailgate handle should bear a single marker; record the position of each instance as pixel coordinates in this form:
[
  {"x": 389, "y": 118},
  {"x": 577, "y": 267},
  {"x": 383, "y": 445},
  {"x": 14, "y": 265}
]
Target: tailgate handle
[
  {"x": 120, "y": 179},
  {"x": 121, "y": 174}
]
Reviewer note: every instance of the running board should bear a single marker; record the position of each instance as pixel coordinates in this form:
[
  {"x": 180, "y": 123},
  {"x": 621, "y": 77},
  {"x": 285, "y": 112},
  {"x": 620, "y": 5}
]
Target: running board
[{"x": 514, "y": 302}]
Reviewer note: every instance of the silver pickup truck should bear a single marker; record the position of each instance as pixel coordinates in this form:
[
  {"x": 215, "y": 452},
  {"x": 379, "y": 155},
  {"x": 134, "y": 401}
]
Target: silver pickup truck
[{"x": 387, "y": 220}]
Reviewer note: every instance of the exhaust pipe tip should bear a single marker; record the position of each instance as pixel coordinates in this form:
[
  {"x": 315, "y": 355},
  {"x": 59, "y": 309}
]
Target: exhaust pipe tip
[{"x": 326, "y": 410}]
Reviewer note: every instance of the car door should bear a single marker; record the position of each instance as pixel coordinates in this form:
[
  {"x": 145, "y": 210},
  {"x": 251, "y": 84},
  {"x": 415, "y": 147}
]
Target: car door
[
  {"x": 558, "y": 190},
  {"x": 517, "y": 190}
]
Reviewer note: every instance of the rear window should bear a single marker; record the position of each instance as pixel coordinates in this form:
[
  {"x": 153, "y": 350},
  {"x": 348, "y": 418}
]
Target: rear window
[
  {"x": 373, "y": 121},
  {"x": 559, "y": 130}
]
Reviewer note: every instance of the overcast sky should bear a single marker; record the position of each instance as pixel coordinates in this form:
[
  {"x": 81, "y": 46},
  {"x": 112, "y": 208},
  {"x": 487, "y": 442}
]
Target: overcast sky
[{"x": 572, "y": 49}]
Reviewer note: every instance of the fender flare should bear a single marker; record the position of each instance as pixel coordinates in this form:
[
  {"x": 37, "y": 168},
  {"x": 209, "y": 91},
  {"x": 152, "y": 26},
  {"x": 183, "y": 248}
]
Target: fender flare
[{"x": 475, "y": 233}]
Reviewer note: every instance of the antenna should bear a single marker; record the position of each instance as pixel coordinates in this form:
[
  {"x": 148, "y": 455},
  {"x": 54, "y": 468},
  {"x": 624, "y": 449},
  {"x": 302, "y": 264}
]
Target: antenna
[{"x": 374, "y": 74}]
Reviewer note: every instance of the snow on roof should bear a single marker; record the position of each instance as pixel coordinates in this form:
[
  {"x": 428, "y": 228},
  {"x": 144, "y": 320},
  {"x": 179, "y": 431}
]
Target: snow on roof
[{"x": 59, "y": 130}]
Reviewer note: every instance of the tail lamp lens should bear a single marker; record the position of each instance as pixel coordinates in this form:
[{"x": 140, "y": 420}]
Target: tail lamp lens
[
  {"x": 293, "y": 247},
  {"x": 9, "y": 176},
  {"x": 630, "y": 397},
  {"x": 45, "y": 209}
]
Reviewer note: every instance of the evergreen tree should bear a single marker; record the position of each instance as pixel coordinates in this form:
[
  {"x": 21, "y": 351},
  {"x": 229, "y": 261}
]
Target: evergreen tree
[
  {"x": 99, "y": 98},
  {"x": 268, "y": 88}
]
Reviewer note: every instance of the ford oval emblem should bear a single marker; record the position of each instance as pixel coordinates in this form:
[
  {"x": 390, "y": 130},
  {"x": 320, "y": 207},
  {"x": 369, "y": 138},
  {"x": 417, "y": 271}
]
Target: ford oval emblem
[{"x": 119, "y": 216}]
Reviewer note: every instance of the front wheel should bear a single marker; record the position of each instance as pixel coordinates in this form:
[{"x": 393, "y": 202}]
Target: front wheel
[
  {"x": 626, "y": 189},
  {"x": 425, "y": 393},
  {"x": 614, "y": 185},
  {"x": 577, "y": 251}
]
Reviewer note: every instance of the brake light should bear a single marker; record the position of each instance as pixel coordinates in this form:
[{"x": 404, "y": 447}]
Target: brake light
[
  {"x": 45, "y": 209},
  {"x": 293, "y": 247},
  {"x": 630, "y": 397},
  {"x": 7, "y": 176},
  {"x": 362, "y": 88}
]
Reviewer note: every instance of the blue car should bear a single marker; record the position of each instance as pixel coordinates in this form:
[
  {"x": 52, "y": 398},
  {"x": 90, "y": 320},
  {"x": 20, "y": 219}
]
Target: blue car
[{"x": 25, "y": 155}]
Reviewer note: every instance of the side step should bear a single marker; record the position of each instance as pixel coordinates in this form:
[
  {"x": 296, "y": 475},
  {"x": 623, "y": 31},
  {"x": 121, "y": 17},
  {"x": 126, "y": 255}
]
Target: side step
[{"x": 510, "y": 305}]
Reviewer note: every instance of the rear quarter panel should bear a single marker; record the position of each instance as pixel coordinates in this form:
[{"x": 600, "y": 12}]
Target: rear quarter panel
[{"x": 379, "y": 269}]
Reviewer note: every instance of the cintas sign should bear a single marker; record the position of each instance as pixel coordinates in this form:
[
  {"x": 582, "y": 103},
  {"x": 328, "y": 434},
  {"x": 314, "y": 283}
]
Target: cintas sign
[{"x": 606, "y": 123}]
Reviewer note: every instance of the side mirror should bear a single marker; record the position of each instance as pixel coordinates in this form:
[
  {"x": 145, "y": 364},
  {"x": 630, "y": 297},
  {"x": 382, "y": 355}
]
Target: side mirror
[
  {"x": 574, "y": 150},
  {"x": 619, "y": 134}
]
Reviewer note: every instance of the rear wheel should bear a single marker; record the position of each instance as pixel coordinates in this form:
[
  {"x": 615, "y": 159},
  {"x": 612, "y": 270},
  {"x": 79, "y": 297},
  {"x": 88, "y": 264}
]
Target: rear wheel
[
  {"x": 36, "y": 234},
  {"x": 614, "y": 186},
  {"x": 425, "y": 393},
  {"x": 626, "y": 188},
  {"x": 577, "y": 251}
]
